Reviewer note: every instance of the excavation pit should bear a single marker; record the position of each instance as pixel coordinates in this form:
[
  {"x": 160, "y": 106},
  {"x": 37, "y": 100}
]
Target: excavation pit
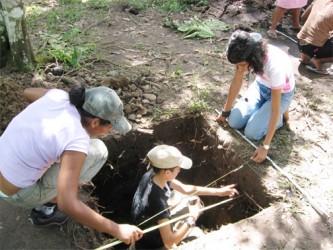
[{"x": 212, "y": 158}]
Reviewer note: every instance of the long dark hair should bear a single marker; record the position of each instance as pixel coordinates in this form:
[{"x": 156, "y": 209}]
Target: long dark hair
[
  {"x": 242, "y": 47},
  {"x": 76, "y": 97}
]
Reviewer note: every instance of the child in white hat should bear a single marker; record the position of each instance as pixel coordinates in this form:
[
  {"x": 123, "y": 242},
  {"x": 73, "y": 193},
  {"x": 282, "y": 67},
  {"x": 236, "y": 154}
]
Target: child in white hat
[{"x": 153, "y": 193}]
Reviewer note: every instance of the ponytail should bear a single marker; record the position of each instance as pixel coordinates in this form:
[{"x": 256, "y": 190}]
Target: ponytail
[{"x": 76, "y": 95}]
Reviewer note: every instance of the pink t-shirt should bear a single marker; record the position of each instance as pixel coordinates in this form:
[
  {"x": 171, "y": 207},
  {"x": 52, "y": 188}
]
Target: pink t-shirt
[
  {"x": 37, "y": 137},
  {"x": 278, "y": 71},
  {"x": 291, "y": 4}
]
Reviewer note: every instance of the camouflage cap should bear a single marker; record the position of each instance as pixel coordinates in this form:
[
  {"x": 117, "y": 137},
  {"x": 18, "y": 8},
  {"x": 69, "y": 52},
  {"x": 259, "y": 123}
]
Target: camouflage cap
[{"x": 104, "y": 103}]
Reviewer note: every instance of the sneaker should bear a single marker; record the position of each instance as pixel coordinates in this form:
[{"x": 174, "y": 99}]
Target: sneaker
[
  {"x": 38, "y": 218},
  {"x": 315, "y": 70}
]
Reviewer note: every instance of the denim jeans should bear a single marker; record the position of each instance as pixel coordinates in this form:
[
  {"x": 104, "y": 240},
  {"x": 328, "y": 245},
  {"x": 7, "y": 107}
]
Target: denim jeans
[
  {"x": 252, "y": 112},
  {"x": 45, "y": 189}
]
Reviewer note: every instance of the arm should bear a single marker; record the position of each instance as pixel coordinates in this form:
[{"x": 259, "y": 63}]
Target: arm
[
  {"x": 228, "y": 190},
  {"x": 32, "y": 94},
  {"x": 234, "y": 88},
  {"x": 68, "y": 202},
  {"x": 306, "y": 13},
  {"x": 260, "y": 154},
  {"x": 170, "y": 237}
]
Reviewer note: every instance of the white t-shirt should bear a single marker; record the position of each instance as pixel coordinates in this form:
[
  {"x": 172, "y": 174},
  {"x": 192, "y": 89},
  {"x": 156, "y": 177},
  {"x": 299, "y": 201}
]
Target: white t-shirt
[
  {"x": 37, "y": 137},
  {"x": 278, "y": 71}
]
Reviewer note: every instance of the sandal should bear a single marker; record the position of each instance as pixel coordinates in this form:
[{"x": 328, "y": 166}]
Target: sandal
[
  {"x": 296, "y": 28},
  {"x": 271, "y": 34},
  {"x": 302, "y": 62},
  {"x": 317, "y": 71}
]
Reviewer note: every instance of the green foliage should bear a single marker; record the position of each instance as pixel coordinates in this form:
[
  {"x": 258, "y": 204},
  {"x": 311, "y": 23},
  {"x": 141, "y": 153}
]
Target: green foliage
[
  {"x": 69, "y": 1},
  {"x": 167, "y": 5},
  {"x": 67, "y": 48},
  {"x": 99, "y": 4},
  {"x": 55, "y": 19},
  {"x": 196, "y": 28},
  {"x": 199, "y": 103},
  {"x": 178, "y": 72}
]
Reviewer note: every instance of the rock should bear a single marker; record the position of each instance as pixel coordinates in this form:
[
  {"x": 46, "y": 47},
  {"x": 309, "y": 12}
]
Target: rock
[
  {"x": 132, "y": 87},
  {"x": 114, "y": 82},
  {"x": 88, "y": 79},
  {"x": 58, "y": 71},
  {"x": 150, "y": 97},
  {"x": 131, "y": 117},
  {"x": 112, "y": 73},
  {"x": 127, "y": 108}
]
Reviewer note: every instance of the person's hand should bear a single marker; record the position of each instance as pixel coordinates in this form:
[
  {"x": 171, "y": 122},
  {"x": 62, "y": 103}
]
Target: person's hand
[
  {"x": 194, "y": 209},
  {"x": 221, "y": 119},
  {"x": 229, "y": 190},
  {"x": 259, "y": 155},
  {"x": 128, "y": 233}
]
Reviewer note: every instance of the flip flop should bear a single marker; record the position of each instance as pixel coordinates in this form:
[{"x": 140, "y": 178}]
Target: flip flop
[
  {"x": 317, "y": 71},
  {"x": 295, "y": 28},
  {"x": 304, "y": 62},
  {"x": 271, "y": 34}
]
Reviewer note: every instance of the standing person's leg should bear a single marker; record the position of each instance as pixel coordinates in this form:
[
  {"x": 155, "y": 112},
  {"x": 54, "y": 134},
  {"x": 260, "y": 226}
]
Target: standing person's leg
[
  {"x": 324, "y": 54},
  {"x": 42, "y": 195},
  {"x": 277, "y": 16},
  {"x": 296, "y": 17},
  {"x": 257, "y": 126},
  {"x": 245, "y": 107}
]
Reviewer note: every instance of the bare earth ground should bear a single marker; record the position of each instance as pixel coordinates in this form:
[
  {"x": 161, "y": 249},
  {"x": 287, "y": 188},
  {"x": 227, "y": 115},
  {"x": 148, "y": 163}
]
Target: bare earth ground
[{"x": 139, "y": 49}]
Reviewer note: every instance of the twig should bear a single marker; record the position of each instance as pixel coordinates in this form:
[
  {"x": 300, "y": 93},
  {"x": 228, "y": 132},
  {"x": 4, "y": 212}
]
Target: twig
[
  {"x": 95, "y": 24},
  {"x": 133, "y": 20},
  {"x": 104, "y": 60},
  {"x": 150, "y": 82},
  {"x": 253, "y": 200}
]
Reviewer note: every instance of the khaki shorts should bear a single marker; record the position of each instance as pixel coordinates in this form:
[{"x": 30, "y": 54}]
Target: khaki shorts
[{"x": 45, "y": 189}]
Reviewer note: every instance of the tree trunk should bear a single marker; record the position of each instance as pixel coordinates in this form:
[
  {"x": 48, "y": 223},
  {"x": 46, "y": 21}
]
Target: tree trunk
[
  {"x": 15, "y": 34},
  {"x": 4, "y": 43}
]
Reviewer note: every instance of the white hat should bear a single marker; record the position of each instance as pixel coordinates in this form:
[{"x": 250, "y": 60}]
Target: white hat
[{"x": 164, "y": 156}]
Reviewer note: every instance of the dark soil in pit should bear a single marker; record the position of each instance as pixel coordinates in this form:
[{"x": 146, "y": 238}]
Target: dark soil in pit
[{"x": 211, "y": 161}]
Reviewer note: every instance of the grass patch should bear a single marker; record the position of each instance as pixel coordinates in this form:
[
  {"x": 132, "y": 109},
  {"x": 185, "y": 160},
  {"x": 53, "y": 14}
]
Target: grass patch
[
  {"x": 166, "y": 5},
  {"x": 60, "y": 36},
  {"x": 199, "y": 102}
]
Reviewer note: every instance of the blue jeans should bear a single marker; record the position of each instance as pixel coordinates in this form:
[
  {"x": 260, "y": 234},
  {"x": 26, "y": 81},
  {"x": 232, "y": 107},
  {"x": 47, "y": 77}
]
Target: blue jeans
[
  {"x": 252, "y": 112},
  {"x": 45, "y": 189}
]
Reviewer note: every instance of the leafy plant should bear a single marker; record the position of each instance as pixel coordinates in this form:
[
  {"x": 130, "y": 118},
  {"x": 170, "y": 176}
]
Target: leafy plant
[
  {"x": 170, "y": 5},
  {"x": 65, "y": 48},
  {"x": 198, "y": 28},
  {"x": 199, "y": 103},
  {"x": 99, "y": 4}
]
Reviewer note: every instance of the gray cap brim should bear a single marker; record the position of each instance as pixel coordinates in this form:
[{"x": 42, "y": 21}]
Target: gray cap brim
[{"x": 122, "y": 125}]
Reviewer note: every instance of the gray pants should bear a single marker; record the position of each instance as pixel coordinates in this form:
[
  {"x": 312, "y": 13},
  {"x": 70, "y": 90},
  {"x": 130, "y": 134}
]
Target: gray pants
[{"x": 45, "y": 189}]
